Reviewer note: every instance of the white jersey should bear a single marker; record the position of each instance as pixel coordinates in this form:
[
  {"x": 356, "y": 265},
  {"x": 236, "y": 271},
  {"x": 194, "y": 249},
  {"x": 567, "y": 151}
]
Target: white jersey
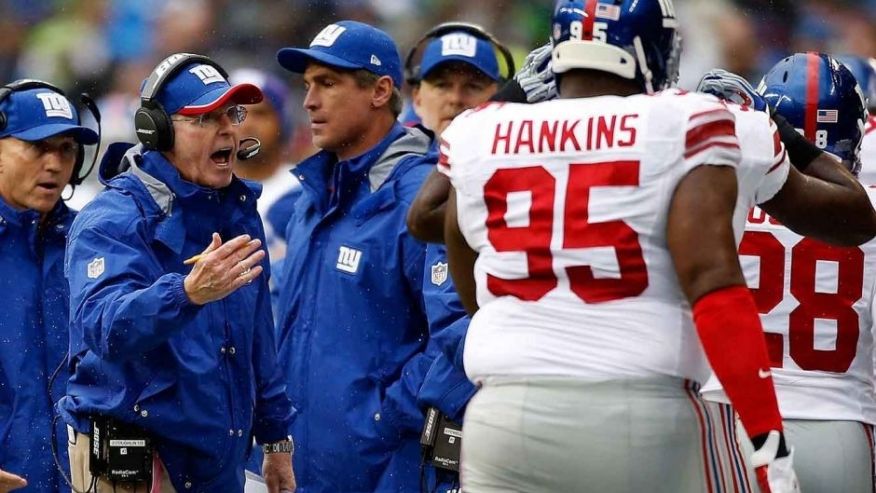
[
  {"x": 816, "y": 305},
  {"x": 566, "y": 203}
]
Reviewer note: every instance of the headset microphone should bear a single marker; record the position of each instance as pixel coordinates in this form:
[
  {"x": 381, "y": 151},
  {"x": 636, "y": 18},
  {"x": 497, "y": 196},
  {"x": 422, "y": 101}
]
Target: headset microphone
[{"x": 250, "y": 151}]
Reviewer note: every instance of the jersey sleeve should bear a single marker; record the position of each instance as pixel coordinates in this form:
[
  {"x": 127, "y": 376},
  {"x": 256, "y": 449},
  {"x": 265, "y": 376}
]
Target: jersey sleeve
[
  {"x": 777, "y": 172},
  {"x": 710, "y": 136}
]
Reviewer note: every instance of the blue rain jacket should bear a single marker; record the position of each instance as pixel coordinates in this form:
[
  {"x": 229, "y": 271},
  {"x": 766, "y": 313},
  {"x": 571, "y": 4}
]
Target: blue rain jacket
[
  {"x": 33, "y": 342},
  {"x": 202, "y": 380},
  {"x": 352, "y": 326},
  {"x": 446, "y": 387}
]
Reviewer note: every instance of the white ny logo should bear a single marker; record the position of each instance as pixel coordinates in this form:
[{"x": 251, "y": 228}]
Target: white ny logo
[
  {"x": 207, "y": 73},
  {"x": 328, "y": 35},
  {"x": 55, "y": 105},
  {"x": 459, "y": 44},
  {"x": 348, "y": 259}
]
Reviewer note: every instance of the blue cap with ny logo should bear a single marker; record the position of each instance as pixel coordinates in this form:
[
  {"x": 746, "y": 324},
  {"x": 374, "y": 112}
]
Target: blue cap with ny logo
[
  {"x": 462, "y": 47},
  {"x": 40, "y": 113},
  {"x": 348, "y": 45},
  {"x": 200, "y": 88}
]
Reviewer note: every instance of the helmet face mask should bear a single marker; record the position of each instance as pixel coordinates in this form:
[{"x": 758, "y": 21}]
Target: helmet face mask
[
  {"x": 821, "y": 98},
  {"x": 634, "y": 39}
]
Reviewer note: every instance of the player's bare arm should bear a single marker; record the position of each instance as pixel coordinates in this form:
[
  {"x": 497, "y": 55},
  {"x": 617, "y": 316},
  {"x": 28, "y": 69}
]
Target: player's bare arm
[
  {"x": 461, "y": 258},
  {"x": 827, "y": 203},
  {"x": 700, "y": 239},
  {"x": 426, "y": 215},
  {"x": 700, "y": 233}
]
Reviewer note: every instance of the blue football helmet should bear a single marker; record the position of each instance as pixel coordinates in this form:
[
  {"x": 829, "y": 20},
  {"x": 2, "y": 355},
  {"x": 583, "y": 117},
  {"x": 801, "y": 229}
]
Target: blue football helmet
[
  {"x": 864, "y": 70},
  {"x": 634, "y": 39},
  {"x": 820, "y": 97}
]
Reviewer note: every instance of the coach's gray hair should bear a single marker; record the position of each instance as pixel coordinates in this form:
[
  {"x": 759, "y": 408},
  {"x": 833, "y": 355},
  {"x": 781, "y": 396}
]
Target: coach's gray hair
[{"x": 364, "y": 78}]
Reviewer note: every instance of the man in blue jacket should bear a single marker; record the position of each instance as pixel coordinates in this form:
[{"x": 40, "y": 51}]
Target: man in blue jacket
[
  {"x": 352, "y": 323},
  {"x": 185, "y": 355},
  {"x": 40, "y": 139}
]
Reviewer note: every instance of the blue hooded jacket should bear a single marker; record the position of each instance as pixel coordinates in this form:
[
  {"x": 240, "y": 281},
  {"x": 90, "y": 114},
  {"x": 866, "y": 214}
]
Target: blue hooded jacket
[
  {"x": 352, "y": 325},
  {"x": 446, "y": 387},
  {"x": 202, "y": 380},
  {"x": 33, "y": 342}
]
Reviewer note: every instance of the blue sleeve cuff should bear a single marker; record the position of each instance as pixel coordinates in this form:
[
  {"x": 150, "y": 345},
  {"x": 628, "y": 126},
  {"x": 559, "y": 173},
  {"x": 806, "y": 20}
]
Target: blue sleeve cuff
[{"x": 178, "y": 291}]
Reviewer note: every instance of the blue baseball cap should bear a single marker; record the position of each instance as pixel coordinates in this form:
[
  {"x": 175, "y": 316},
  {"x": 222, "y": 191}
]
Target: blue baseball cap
[
  {"x": 347, "y": 45},
  {"x": 40, "y": 113},
  {"x": 200, "y": 88},
  {"x": 463, "y": 47}
]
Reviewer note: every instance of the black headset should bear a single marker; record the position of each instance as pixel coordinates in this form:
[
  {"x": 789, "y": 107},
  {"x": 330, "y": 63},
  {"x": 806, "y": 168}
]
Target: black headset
[
  {"x": 412, "y": 72},
  {"x": 25, "y": 84},
  {"x": 151, "y": 122}
]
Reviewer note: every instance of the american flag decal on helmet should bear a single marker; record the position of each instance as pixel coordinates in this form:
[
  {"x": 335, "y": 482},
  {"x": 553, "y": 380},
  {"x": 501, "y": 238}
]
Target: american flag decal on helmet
[{"x": 827, "y": 116}]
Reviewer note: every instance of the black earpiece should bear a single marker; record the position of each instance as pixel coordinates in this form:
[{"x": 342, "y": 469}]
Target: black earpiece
[
  {"x": 250, "y": 151},
  {"x": 412, "y": 71}
]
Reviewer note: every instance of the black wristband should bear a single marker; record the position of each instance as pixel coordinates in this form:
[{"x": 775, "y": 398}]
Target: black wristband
[
  {"x": 800, "y": 150},
  {"x": 511, "y": 92},
  {"x": 759, "y": 440}
]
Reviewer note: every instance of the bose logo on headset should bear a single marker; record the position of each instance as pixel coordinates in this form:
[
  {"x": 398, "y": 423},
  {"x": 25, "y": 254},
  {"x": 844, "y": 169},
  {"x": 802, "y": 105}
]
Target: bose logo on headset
[
  {"x": 461, "y": 44},
  {"x": 55, "y": 105},
  {"x": 207, "y": 74},
  {"x": 168, "y": 63}
]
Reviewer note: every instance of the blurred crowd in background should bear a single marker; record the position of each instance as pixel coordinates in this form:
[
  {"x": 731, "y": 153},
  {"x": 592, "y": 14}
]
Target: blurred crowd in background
[{"x": 107, "y": 47}]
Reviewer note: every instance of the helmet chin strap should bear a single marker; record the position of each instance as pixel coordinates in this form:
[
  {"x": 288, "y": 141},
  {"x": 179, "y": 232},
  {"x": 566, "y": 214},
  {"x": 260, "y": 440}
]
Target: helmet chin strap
[{"x": 643, "y": 65}]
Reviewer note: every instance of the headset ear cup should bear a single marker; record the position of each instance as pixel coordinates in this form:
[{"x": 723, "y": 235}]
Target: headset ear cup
[
  {"x": 153, "y": 129},
  {"x": 164, "y": 127}
]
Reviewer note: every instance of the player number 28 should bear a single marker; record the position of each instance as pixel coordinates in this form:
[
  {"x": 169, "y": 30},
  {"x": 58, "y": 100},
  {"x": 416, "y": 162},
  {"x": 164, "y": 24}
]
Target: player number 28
[
  {"x": 578, "y": 232},
  {"x": 811, "y": 303}
]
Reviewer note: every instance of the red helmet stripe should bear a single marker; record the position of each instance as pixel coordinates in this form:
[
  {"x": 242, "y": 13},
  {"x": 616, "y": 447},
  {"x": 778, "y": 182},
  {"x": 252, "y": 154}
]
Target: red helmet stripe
[
  {"x": 589, "y": 19},
  {"x": 812, "y": 79}
]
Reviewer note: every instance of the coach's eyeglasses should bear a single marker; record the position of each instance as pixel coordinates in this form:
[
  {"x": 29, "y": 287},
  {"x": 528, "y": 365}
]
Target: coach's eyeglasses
[{"x": 236, "y": 113}]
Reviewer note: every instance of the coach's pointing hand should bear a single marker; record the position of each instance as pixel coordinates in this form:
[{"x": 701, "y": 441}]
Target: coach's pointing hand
[{"x": 221, "y": 269}]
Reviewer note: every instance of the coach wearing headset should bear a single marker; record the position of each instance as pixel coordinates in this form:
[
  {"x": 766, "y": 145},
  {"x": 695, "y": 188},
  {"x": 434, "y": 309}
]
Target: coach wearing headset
[
  {"x": 41, "y": 141},
  {"x": 184, "y": 356},
  {"x": 454, "y": 67}
]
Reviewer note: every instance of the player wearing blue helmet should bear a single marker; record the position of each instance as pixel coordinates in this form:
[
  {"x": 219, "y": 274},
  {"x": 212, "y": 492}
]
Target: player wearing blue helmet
[
  {"x": 820, "y": 97},
  {"x": 817, "y": 320},
  {"x": 606, "y": 270}
]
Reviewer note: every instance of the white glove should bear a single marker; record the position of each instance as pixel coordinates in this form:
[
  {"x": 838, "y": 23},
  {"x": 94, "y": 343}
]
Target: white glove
[
  {"x": 774, "y": 474},
  {"x": 536, "y": 77}
]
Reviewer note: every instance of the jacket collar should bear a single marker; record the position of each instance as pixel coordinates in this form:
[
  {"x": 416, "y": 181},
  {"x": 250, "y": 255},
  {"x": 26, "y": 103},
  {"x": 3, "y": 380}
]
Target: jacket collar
[
  {"x": 316, "y": 172},
  {"x": 163, "y": 184},
  {"x": 57, "y": 223}
]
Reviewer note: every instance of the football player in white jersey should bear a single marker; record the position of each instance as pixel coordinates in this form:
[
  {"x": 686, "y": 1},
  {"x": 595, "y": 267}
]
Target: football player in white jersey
[
  {"x": 816, "y": 300},
  {"x": 582, "y": 234}
]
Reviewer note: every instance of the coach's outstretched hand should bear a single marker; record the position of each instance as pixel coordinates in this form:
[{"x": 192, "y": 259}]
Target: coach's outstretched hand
[
  {"x": 775, "y": 471},
  {"x": 731, "y": 87},
  {"x": 222, "y": 269},
  {"x": 536, "y": 77},
  {"x": 9, "y": 481}
]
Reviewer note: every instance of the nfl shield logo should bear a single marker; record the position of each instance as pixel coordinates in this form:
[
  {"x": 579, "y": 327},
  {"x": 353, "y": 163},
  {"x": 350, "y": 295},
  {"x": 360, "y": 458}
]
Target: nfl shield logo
[
  {"x": 439, "y": 273},
  {"x": 95, "y": 268}
]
